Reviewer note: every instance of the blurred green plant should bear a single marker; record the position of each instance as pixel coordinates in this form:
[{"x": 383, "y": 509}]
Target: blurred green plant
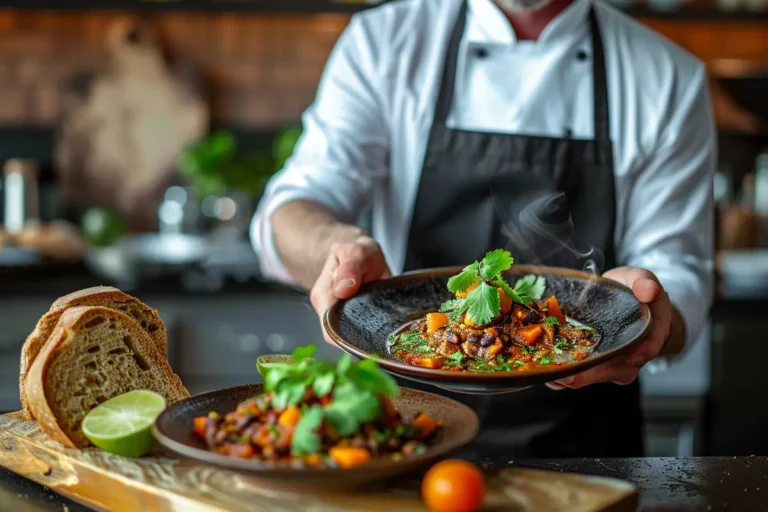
[
  {"x": 214, "y": 164},
  {"x": 101, "y": 227}
]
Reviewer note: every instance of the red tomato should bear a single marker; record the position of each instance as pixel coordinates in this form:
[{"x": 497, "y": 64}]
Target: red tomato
[{"x": 453, "y": 486}]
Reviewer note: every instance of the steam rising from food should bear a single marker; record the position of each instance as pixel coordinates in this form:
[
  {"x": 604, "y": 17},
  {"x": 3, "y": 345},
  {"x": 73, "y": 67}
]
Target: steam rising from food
[{"x": 544, "y": 234}]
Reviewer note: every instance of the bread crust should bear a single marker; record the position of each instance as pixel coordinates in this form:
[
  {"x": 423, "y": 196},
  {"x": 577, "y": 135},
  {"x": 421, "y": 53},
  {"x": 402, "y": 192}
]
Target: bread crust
[
  {"x": 70, "y": 322},
  {"x": 95, "y": 296}
]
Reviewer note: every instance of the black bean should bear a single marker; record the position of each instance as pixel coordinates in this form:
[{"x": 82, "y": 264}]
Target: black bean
[
  {"x": 473, "y": 338},
  {"x": 211, "y": 426},
  {"x": 452, "y": 337},
  {"x": 487, "y": 340},
  {"x": 243, "y": 421}
]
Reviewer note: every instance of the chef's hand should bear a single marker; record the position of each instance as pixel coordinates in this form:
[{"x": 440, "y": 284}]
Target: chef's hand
[
  {"x": 648, "y": 290},
  {"x": 348, "y": 266}
]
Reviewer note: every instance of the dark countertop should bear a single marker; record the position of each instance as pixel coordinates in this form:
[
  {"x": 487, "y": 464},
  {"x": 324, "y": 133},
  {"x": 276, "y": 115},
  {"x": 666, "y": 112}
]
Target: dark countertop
[{"x": 668, "y": 484}]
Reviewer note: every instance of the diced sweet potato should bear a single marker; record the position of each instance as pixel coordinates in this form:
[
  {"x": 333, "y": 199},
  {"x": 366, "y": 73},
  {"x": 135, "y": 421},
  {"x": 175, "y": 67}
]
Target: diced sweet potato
[
  {"x": 506, "y": 302},
  {"x": 200, "y": 426},
  {"x": 349, "y": 456},
  {"x": 290, "y": 417},
  {"x": 530, "y": 334},
  {"x": 552, "y": 308},
  {"x": 435, "y": 321},
  {"x": 430, "y": 362},
  {"x": 425, "y": 424},
  {"x": 463, "y": 295}
]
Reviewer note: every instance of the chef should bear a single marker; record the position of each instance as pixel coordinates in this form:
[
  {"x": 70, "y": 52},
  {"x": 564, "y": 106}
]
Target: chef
[{"x": 561, "y": 130}]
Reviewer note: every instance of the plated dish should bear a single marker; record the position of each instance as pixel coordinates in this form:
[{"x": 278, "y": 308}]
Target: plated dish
[
  {"x": 320, "y": 414},
  {"x": 352, "y": 434},
  {"x": 490, "y": 326},
  {"x": 371, "y": 325}
]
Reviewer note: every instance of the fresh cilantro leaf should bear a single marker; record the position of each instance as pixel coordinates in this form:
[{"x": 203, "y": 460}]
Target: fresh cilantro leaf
[
  {"x": 512, "y": 294},
  {"x": 466, "y": 278},
  {"x": 450, "y": 305},
  {"x": 532, "y": 286},
  {"x": 290, "y": 392},
  {"x": 560, "y": 344},
  {"x": 524, "y": 349},
  {"x": 551, "y": 320},
  {"x": 372, "y": 378},
  {"x": 519, "y": 363},
  {"x": 351, "y": 406},
  {"x": 545, "y": 360},
  {"x": 494, "y": 263},
  {"x": 392, "y": 340},
  {"x": 485, "y": 304},
  {"x": 500, "y": 359},
  {"x": 343, "y": 365},
  {"x": 458, "y": 356},
  {"x": 302, "y": 353},
  {"x": 323, "y": 384},
  {"x": 306, "y": 440},
  {"x": 275, "y": 375},
  {"x": 455, "y": 315}
]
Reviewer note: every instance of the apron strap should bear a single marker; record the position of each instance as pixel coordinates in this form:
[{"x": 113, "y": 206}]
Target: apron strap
[
  {"x": 448, "y": 80},
  {"x": 599, "y": 78},
  {"x": 599, "y": 81}
]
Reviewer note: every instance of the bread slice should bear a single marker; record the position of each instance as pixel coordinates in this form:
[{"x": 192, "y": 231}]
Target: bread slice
[
  {"x": 104, "y": 296},
  {"x": 93, "y": 354}
]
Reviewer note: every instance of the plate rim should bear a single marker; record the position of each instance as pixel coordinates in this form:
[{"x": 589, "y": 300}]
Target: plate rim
[
  {"x": 265, "y": 468},
  {"x": 333, "y": 313}
]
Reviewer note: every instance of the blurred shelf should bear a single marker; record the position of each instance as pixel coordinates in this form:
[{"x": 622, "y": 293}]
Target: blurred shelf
[
  {"x": 699, "y": 14},
  {"x": 256, "y": 6},
  {"x": 685, "y": 13}
]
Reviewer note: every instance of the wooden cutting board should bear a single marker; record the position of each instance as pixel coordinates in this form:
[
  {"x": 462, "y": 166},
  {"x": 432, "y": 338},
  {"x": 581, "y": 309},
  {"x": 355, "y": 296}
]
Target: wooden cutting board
[
  {"x": 158, "y": 483},
  {"x": 125, "y": 124}
]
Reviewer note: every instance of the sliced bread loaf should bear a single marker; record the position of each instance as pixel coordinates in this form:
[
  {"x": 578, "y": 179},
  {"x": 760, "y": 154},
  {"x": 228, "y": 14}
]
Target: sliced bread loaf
[
  {"x": 104, "y": 296},
  {"x": 93, "y": 354}
]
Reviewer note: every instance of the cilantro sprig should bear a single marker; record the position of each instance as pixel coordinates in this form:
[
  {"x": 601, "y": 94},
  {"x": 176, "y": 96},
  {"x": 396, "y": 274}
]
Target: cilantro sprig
[
  {"x": 480, "y": 283},
  {"x": 355, "y": 388}
]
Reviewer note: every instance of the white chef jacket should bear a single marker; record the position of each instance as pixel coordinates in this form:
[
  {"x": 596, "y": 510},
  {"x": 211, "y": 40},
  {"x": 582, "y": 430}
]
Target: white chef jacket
[{"x": 366, "y": 133}]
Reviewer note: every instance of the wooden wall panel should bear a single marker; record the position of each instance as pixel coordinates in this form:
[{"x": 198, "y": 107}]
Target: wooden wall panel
[{"x": 263, "y": 70}]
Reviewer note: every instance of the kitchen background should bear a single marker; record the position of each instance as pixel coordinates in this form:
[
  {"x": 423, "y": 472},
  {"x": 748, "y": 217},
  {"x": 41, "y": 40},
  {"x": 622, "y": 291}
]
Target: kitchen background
[{"x": 135, "y": 138}]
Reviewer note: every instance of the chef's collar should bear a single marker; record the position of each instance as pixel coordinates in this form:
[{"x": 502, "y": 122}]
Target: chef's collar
[{"x": 491, "y": 26}]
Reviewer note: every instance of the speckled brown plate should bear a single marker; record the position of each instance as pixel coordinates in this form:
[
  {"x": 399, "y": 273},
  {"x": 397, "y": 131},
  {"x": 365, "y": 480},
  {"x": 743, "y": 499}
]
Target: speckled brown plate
[
  {"x": 173, "y": 430},
  {"x": 362, "y": 325}
]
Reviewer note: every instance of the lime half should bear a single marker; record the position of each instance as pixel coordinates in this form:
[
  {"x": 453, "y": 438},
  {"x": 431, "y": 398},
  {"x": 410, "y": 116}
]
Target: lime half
[
  {"x": 123, "y": 424},
  {"x": 264, "y": 363}
]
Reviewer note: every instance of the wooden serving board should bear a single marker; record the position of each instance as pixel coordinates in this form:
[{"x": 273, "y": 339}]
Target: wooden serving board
[{"x": 159, "y": 483}]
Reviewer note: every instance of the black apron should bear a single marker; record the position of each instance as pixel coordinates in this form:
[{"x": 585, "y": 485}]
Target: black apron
[{"x": 549, "y": 201}]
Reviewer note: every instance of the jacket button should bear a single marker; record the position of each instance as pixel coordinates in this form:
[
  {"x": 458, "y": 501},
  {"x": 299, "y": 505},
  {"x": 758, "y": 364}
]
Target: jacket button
[
  {"x": 481, "y": 53},
  {"x": 581, "y": 55}
]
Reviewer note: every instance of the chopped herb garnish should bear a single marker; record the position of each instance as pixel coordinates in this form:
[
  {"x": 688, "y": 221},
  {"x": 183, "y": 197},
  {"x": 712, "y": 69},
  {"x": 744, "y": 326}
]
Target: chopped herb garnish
[
  {"x": 519, "y": 363},
  {"x": 551, "y": 320},
  {"x": 500, "y": 359},
  {"x": 355, "y": 389},
  {"x": 561, "y": 344},
  {"x": 531, "y": 286},
  {"x": 524, "y": 349},
  {"x": 545, "y": 360}
]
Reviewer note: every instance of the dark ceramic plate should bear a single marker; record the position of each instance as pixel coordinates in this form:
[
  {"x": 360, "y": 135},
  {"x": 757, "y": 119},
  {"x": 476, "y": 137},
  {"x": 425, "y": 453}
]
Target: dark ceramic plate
[
  {"x": 362, "y": 324},
  {"x": 173, "y": 430}
]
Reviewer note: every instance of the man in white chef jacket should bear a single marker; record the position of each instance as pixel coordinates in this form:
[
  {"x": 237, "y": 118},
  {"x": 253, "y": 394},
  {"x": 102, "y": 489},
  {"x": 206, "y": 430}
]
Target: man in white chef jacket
[{"x": 427, "y": 105}]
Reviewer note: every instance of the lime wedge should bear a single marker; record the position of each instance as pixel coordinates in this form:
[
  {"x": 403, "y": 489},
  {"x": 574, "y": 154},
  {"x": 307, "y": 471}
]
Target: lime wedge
[
  {"x": 123, "y": 424},
  {"x": 264, "y": 363}
]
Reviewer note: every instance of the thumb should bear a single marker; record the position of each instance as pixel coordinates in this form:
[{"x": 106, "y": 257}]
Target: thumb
[{"x": 346, "y": 279}]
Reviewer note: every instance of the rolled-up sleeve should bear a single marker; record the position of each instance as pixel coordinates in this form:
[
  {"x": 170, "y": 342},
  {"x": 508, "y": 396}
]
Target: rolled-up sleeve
[
  {"x": 669, "y": 223},
  {"x": 343, "y": 149}
]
